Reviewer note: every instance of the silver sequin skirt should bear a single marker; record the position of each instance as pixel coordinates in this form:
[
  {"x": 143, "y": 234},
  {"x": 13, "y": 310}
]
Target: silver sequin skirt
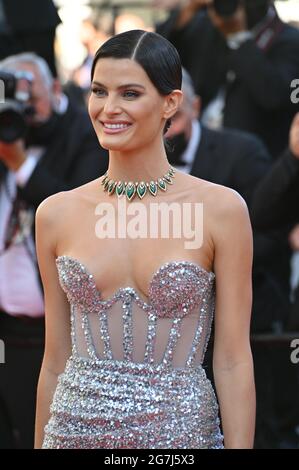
[{"x": 112, "y": 404}]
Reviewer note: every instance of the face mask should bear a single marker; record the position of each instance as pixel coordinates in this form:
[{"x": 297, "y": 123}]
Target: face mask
[{"x": 177, "y": 145}]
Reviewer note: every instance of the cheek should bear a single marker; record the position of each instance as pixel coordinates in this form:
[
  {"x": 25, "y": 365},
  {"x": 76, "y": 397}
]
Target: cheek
[
  {"x": 92, "y": 108},
  {"x": 149, "y": 115}
]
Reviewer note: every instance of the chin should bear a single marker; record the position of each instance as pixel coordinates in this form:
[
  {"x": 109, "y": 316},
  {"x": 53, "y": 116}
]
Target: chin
[{"x": 117, "y": 146}]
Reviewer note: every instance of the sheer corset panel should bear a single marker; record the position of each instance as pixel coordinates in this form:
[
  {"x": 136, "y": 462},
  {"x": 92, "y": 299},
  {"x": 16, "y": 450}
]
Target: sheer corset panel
[{"x": 172, "y": 329}]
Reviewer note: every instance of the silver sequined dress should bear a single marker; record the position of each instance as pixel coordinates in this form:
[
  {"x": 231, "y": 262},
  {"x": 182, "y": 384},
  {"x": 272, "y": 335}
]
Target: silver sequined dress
[{"x": 135, "y": 378}]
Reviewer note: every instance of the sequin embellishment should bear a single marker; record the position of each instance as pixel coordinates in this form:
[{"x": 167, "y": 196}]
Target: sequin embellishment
[{"x": 102, "y": 402}]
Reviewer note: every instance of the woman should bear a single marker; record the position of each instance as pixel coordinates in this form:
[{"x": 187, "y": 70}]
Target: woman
[{"x": 127, "y": 367}]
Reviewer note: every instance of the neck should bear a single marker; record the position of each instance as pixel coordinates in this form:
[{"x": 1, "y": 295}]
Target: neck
[{"x": 142, "y": 164}]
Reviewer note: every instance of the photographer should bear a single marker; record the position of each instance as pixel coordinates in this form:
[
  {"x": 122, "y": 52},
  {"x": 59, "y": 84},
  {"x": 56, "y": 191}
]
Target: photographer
[
  {"x": 242, "y": 59},
  {"x": 274, "y": 205},
  {"x": 275, "y": 201},
  {"x": 59, "y": 151}
]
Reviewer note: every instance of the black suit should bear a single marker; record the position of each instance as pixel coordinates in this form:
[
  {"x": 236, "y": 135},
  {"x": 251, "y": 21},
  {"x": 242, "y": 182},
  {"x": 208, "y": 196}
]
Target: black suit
[
  {"x": 231, "y": 158},
  {"x": 73, "y": 157},
  {"x": 32, "y": 26},
  {"x": 275, "y": 204},
  {"x": 275, "y": 201},
  {"x": 258, "y": 83}
]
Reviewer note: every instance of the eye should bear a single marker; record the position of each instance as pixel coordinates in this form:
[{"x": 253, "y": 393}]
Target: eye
[
  {"x": 131, "y": 94},
  {"x": 98, "y": 91}
]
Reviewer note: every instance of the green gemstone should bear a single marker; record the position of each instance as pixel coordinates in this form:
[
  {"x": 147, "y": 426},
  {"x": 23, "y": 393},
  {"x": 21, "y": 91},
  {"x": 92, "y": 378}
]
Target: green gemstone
[
  {"x": 106, "y": 185},
  {"x": 168, "y": 179},
  {"x": 111, "y": 187},
  {"x": 153, "y": 189},
  {"x": 119, "y": 188},
  {"x": 104, "y": 180},
  {"x": 130, "y": 191},
  {"x": 161, "y": 184},
  {"x": 141, "y": 189}
]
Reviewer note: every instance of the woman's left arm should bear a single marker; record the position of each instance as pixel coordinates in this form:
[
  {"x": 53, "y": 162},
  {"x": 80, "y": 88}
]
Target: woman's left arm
[{"x": 232, "y": 358}]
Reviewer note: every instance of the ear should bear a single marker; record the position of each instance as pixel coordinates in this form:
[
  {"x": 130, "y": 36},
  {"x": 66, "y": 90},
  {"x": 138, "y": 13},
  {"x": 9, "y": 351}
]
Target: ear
[{"x": 172, "y": 103}]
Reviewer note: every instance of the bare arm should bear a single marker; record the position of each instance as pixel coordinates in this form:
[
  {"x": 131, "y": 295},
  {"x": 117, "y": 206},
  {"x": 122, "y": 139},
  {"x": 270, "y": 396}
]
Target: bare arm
[
  {"x": 57, "y": 345},
  {"x": 232, "y": 360}
]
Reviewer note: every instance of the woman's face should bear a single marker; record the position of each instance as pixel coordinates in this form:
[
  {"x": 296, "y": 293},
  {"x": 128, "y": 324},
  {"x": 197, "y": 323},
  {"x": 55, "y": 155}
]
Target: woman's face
[{"x": 126, "y": 109}]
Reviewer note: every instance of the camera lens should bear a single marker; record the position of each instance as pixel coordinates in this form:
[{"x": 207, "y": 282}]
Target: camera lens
[
  {"x": 12, "y": 125},
  {"x": 15, "y": 109}
]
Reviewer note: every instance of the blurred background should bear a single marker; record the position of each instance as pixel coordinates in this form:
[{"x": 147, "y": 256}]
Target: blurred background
[{"x": 120, "y": 15}]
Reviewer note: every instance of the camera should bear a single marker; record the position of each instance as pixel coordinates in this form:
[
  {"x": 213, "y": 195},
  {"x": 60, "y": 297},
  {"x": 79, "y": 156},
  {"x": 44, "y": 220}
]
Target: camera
[{"x": 15, "y": 110}]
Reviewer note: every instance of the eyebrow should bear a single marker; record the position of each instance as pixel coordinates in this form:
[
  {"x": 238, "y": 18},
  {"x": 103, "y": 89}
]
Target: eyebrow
[{"x": 127, "y": 85}]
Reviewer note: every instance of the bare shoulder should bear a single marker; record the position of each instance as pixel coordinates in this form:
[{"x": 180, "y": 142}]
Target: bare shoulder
[
  {"x": 224, "y": 201},
  {"x": 54, "y": 208},
  {"x": 219, "y": 200},
  {"x": 224, "y": 210},
  {"x": 61, "y": 205},
  {"x": 227, "y": 217}
]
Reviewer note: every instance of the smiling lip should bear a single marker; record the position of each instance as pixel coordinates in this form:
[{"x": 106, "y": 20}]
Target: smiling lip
[{"x": 115, "y": 127}]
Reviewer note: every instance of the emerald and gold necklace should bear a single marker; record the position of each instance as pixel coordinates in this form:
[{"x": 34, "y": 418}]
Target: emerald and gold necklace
[{"x": 130, "y": 189}]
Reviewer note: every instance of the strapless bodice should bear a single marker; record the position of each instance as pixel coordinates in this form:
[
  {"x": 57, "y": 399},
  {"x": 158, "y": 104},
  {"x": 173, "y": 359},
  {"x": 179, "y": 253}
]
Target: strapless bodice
[
  {"x": 175, "y": 288},
  {"x": 135, "y": 377},
  {"x": 178, "y": 290}
]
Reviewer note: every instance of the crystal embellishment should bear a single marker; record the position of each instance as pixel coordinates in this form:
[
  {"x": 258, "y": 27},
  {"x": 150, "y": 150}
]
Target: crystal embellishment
[{"x": 144, "y": 402}]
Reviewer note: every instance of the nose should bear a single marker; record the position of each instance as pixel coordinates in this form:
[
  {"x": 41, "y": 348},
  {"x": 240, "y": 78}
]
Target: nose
[{"x": 111, "y": 105}]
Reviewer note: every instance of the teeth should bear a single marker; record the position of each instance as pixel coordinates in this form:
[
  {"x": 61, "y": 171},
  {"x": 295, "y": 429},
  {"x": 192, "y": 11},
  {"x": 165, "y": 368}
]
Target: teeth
[{"x": 116, "y": 126}]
